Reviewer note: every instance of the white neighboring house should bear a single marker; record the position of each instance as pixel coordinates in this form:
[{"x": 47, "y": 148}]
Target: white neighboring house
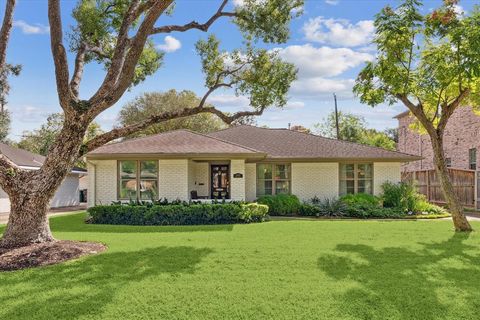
[{"x": 67, "y": 195}]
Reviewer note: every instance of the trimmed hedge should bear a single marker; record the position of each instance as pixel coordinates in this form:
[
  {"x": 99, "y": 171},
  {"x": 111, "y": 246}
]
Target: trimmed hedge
[
  {"x": 178, "y": 214},
  {"x": 281, "y": 205}
]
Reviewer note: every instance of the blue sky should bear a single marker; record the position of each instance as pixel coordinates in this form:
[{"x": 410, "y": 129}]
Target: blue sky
[{"x": 328, "y": 44}]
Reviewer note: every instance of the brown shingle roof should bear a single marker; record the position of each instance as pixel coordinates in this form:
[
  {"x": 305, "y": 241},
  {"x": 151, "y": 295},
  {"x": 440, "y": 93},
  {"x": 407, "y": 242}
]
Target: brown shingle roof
[
  {"x": 288, "y": 144},
  {"x": 179, "y": 142},
  {"x": 23, "y": 158}
]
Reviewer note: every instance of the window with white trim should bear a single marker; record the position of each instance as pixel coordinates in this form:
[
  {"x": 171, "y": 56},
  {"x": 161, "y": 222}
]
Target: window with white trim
[
  {"x": 273, "y": 179},
  {"x": 356, "y": 178},
  {"x": 138, "y": 180}
]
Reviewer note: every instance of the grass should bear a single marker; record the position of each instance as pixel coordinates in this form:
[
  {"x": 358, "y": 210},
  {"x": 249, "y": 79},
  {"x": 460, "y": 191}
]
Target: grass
[{"x": 274, "y": 270}]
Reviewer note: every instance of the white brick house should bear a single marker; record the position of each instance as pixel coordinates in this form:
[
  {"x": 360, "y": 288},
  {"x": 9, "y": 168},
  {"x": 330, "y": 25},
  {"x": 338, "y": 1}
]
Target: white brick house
[{"x": 239, "y": 163}]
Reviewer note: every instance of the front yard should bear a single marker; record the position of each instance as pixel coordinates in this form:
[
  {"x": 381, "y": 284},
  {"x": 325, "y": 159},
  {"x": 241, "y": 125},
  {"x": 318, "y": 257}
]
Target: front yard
[{"x": 274, "y": 270}]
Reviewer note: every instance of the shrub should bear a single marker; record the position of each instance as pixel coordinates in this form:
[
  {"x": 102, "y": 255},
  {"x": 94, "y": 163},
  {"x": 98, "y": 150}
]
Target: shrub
[
  {"x": 281, "y": 205},
  {"x": 402, "y": 196},
  {"x": 309, "y": 210},
  {"x": 178, "y": 214},
  {"x": 366, "y": 210},
  {"x": 425, "y": 207},
  {"x": 361, "y": 198},
  {"x": 332, "y": 207}
]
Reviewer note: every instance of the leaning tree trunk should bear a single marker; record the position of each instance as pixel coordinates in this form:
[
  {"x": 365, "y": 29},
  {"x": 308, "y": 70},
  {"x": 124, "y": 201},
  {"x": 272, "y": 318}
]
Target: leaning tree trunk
[
  {"x": 31, "y": 191},
  {"x": 456, "y": 209},
  {"x": 28, "y": 222}
]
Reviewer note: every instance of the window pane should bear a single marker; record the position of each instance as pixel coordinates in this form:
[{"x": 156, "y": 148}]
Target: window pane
[
  {"x": 128, "y": 189},
  {"x": 264, "y": 187},
  {"x": 128, "y": 169},
  {"x": 264, "y": 171},
  {"x": 148, "y": 190},
  {"x": 282, "y": 187},
  {"x": 282, "y": 171},
  {"x": 148, "y": 170},
  {"x": 365, "y": 171},
  {"x": 347, "y": 187},
  {"x": 365, "y": 186},
  {"x": 347, "y": 171}
]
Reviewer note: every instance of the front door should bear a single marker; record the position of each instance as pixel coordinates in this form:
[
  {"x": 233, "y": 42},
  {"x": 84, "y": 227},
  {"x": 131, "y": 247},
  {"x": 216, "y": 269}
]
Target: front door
[{"x": 220, "y": 181}]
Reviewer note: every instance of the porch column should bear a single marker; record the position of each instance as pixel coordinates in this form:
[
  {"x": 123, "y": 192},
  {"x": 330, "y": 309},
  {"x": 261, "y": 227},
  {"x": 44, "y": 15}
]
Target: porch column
[{"x": 237, "y": 178}]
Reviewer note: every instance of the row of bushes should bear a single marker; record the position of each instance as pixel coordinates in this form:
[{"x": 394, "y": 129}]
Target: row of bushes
[
  {"x": 398, "y": 200},
  {"x": 178, "y": 214}
]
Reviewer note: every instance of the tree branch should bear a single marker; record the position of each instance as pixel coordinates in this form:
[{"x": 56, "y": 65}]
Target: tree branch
[
  {"x": 78, "y": 71},
  {"x": 449, "y": 109},
  {"x": 8, "y": 172},
  {"x": 418, "y": 112},
  {"x": 59, "y": 55},
  {"x": 195, "y": 25},
  {"x": 5, "y": 31}
]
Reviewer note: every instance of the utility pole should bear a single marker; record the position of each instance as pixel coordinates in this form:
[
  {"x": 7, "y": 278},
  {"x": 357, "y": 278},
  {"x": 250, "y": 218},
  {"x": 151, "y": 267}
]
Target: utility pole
[{"x": 336, "y": 117}]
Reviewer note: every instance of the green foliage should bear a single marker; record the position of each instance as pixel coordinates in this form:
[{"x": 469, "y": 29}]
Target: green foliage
[
  {"x": 403, "y": 196},
  {"x": 257, "y": 73},
  {"x": 424, "y": 207},
  {"x": 39, "y": 140},
  {"x": 155, "y": 103},
  {"x": 361, "y": 198},
  {"x": 4, "y": 124},
  {"x": 367, "y": 210},
  {"x": 431, "y": 58},
  {"x": 332, "y": 207},
  {"x": 268, "y": 20},
  {"x": 353, "y": 128},
  {"x": 178, "y": 214},
  {"x": 281, "y": 204}
]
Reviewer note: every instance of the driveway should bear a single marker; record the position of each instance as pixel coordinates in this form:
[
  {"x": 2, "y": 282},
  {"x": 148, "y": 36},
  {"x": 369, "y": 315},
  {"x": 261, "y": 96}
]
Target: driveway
[{"x": 53, "y": 212}]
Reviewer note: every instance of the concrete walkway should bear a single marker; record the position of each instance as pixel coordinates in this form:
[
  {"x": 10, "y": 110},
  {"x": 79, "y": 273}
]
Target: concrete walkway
[{"x": 52, "y": 213}]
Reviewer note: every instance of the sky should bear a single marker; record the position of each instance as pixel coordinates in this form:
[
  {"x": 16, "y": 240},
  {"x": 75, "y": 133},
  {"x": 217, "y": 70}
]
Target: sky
[{"x": 329, "y": 44}]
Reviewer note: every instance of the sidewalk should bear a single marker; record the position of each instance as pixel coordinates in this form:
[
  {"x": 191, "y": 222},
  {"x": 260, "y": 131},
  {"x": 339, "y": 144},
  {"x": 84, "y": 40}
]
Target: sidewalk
[{"x": 53, "y": 212}]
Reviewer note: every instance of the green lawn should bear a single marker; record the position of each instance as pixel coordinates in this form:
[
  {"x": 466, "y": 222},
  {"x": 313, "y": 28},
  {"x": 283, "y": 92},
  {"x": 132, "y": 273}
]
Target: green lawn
[{"x": 274, "y": 270}]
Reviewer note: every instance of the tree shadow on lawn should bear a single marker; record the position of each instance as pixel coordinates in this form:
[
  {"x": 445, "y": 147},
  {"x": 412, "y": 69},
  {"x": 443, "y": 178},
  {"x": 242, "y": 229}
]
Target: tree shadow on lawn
[
  {"x": 84, "y": 287},
  {"x": 439, "y": 281},
  {"x": 76, "y": 223}
]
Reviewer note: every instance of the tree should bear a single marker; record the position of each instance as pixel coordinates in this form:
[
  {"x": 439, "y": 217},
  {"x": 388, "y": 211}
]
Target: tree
[
  {"x": 153, "y": 103},
  {"x": 431, "y": 64},
  {"x": 353, "y": 128},
  {"x": 39, "y": 141},
  {"x": 300, "y": 128},
  {"x": 118, "y": 35}
]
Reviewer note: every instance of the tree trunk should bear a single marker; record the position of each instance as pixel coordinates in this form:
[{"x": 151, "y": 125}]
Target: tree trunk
[
  {"x": 28, "y": 222},
  {"x": 456, "y": 209}
]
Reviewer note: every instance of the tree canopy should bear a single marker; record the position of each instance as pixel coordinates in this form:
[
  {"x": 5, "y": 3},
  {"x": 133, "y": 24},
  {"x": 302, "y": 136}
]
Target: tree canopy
[
  {"x": 354, "y": 128},
  {"x": 153, "y": 103}
]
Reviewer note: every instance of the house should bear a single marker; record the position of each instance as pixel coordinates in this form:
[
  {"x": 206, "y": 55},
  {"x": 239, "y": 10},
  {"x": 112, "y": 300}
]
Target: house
[
  {"x": 67, "y": 194},
  {"x": 461, "y": 141},
  {"x": 239, "y": 163}
]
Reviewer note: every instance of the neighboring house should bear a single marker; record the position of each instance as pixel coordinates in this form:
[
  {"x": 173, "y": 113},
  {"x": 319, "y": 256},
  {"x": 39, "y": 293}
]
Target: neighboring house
[
  {"x": 67, "y": 194},
  {"x": 239, "y": 163},
  {"x": 461, "y": 141}
]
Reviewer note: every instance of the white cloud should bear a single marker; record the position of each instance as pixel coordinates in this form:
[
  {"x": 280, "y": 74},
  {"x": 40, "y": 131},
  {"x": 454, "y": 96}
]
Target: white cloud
[
  {"x": 323, "y": 61},
  {"x": 323, "y": 87},
  {"x": 28, "y": 113},
  {"x": 339, "y": 32},
  {"x": 31, "y": 29},
  {"x": 170, "y": 44},
  {"x": 291, "y": 105},
  {"x": 332, "y": 2},
  {"x": 229, "y": 101}
]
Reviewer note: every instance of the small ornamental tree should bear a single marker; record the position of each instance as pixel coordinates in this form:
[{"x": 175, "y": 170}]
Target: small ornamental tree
[
  {"x": 431, "y": 64},
  {"x": 118, "y": 35}
]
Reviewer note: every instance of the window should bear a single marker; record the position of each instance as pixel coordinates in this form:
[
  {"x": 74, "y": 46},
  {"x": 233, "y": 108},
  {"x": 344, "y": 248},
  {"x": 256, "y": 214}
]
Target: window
[
  {"x": 273, "y": 179},
  {"x": 448, "y": 162},
  {"x": 472, "y": 159},
  {"x": 356, "y": 178},
  {"x": 138, "y": 180}
]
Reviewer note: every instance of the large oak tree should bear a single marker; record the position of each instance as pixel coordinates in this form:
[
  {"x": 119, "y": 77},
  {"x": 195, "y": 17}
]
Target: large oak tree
[
  {"x": 431, "y": 64},
  {"x": 118, "y": 34}
]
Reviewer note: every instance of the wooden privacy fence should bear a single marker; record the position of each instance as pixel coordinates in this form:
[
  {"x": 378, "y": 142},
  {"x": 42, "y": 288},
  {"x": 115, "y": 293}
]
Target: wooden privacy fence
[{"x": 463, "y": 181}]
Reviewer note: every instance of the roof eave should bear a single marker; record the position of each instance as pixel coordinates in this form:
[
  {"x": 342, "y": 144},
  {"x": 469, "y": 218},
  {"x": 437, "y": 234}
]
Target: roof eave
[{"x": 116, "y": 156}]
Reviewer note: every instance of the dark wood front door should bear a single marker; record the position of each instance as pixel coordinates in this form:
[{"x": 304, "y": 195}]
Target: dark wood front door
[{"x": 220, "y": 186}]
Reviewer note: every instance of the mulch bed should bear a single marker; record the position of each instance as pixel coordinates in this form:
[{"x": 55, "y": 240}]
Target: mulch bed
[{"x": 43, "y": 254}]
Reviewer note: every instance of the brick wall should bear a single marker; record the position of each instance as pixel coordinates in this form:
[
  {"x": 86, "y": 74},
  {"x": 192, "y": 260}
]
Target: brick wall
[
  {"x": 383, "y": 172},
  {"x": 237, "y": 185},
  {"x": 461, "y": 134},
  {"x": 202, "y": 179},
  {"x": 251, "y": 181},
  {"x": 102, "y": 184},
  {"x": 173, "y": 179},
  {"x": 315, "y": 179}
]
